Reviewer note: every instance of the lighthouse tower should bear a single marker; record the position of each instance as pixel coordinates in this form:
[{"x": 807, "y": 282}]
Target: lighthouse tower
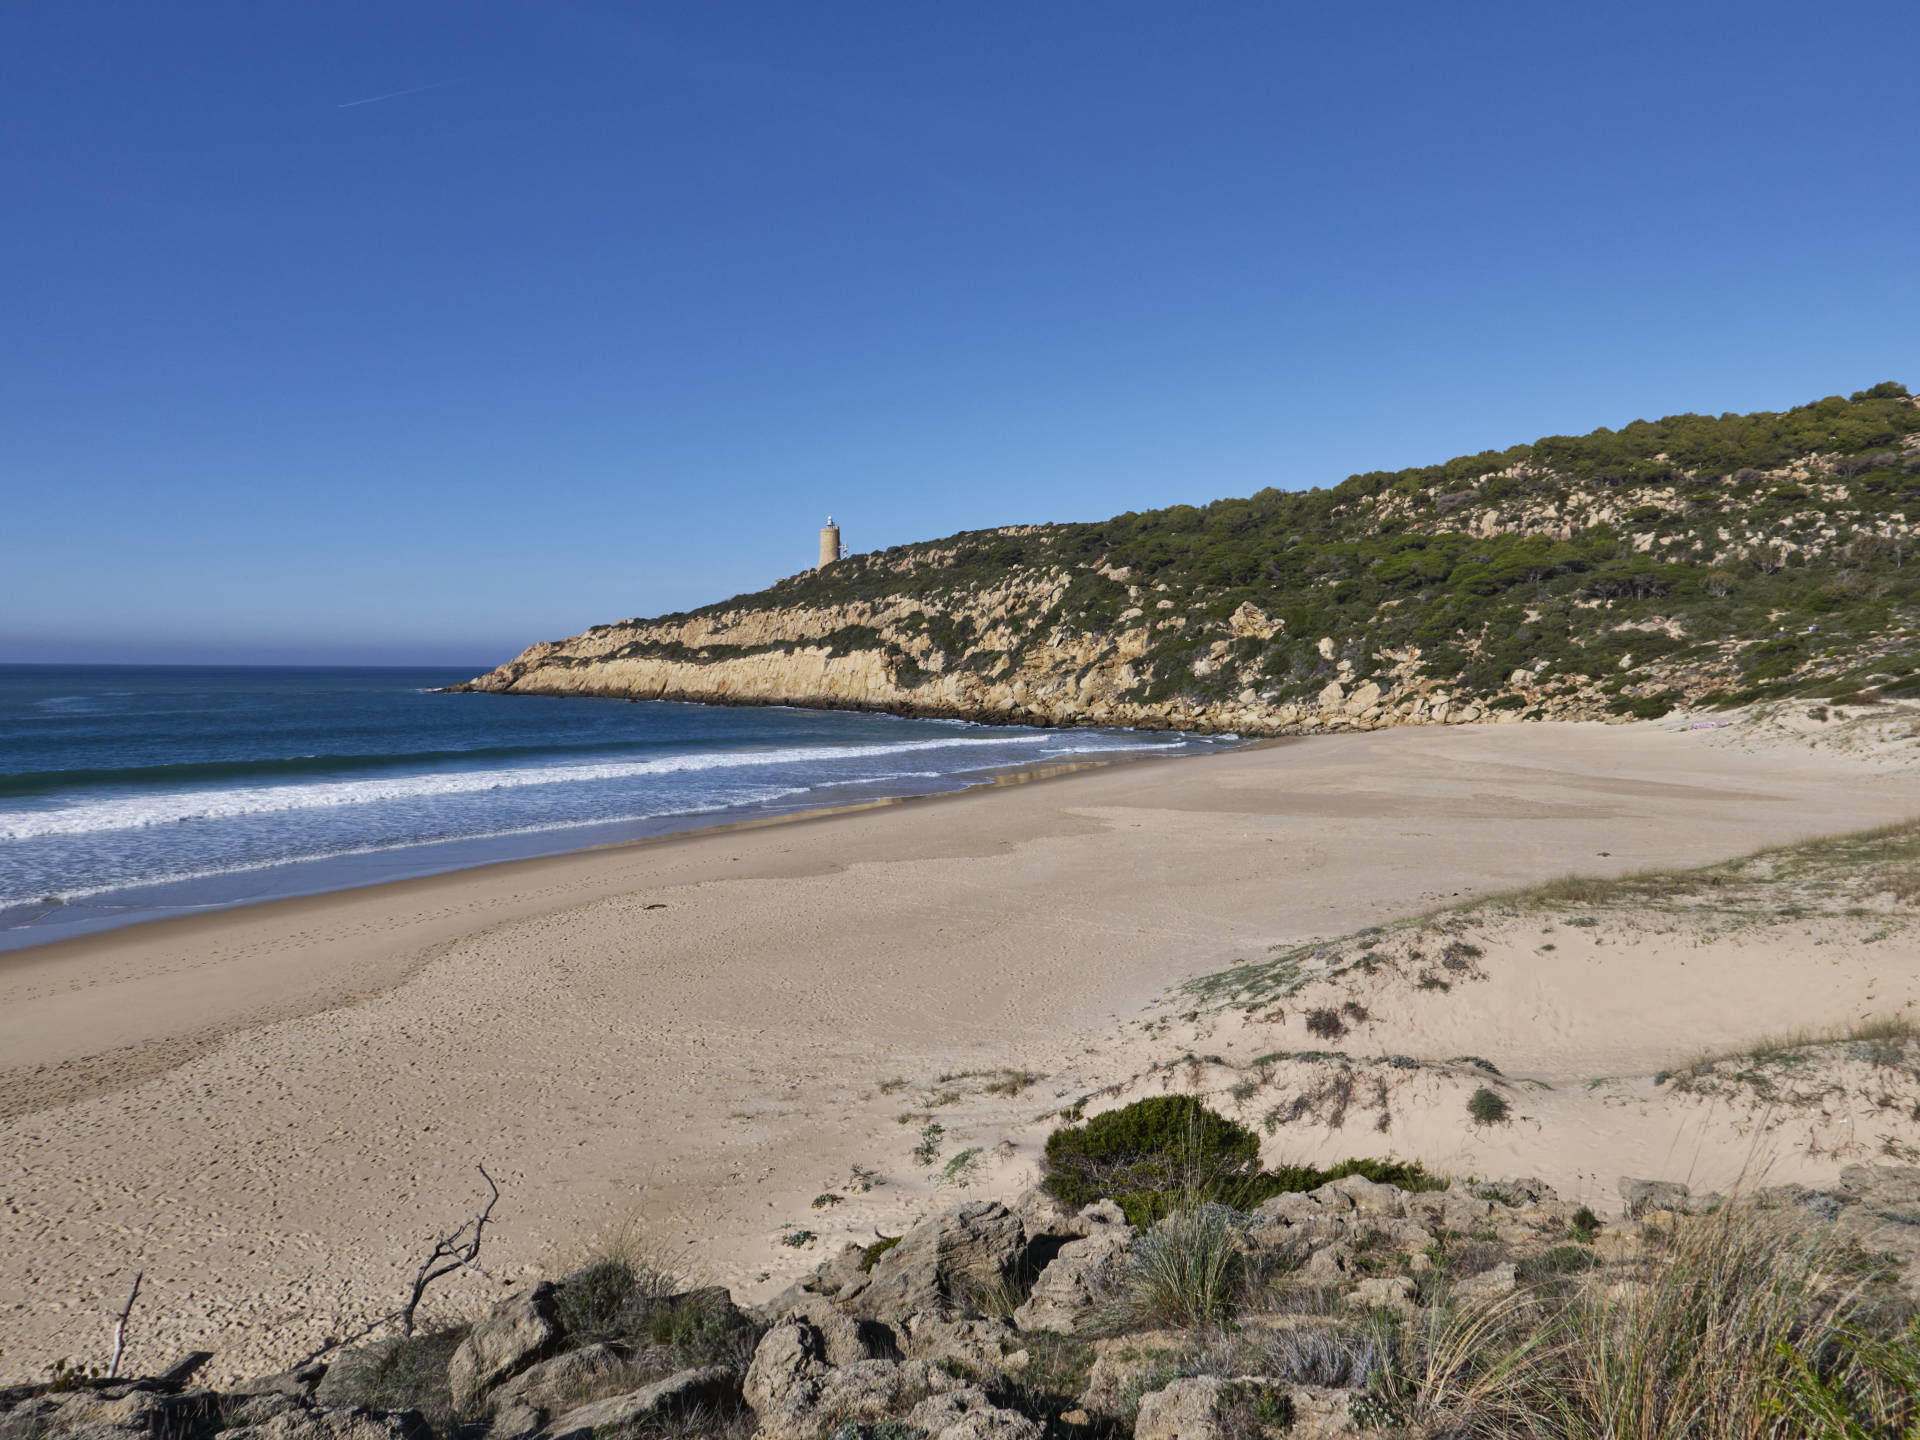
[{"x": 829, "y": 543}]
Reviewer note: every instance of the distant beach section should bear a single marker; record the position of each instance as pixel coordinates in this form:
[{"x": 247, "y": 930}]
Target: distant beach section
[{"x": 132, "y": 793}]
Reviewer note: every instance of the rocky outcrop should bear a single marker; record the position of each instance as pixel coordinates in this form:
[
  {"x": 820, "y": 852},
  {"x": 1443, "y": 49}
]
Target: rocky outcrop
[{"x": 914, "y": 1346}]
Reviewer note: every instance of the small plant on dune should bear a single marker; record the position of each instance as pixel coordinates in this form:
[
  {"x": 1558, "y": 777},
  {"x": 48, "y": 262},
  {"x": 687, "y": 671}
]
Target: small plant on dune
[
  {"x": 1488, "y": 1107},
  {"x": 1011, "y": 1083},
  {"x": 826, "y": 1199},
  {"x": 963, "y": 1169},
  {"x": 928, "y": 1150},
  {"x": 1326, "y": 1024},
  {"x": 1584, "y": 1225},
  {"x": 796, "y": 1239}
]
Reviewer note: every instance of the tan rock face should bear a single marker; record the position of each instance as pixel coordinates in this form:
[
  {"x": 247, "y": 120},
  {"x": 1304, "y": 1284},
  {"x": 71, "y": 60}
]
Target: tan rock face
[{"x": 991, "y": 654}]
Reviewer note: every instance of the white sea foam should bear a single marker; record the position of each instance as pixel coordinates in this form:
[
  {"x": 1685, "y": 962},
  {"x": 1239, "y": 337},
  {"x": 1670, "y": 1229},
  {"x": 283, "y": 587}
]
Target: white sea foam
[{"x": 135, "y": 812}]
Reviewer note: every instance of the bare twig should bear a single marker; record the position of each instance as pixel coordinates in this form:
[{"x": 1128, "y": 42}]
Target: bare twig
[
  {"x": 454, "y": 1251},
  {"x": 120, "y": 1329}
]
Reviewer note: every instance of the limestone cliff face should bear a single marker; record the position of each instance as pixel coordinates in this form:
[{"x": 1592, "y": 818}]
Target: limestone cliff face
[
  {"x": 1532, "y": 584},
  {"x": 884, "y": 656}
]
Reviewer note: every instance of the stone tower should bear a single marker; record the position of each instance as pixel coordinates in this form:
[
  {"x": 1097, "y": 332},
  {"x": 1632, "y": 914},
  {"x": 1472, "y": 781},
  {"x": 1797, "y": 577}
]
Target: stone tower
[{"x": 829, "y": 543}]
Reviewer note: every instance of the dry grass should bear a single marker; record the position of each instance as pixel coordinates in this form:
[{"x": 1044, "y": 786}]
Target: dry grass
[
  {"x": 1712, "y": 1339},
  {"x": 1887, "y": 1035}
]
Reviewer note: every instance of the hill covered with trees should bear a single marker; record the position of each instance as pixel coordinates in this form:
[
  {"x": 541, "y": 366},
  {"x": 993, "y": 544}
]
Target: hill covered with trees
[{"x": 1692, "y": 559}]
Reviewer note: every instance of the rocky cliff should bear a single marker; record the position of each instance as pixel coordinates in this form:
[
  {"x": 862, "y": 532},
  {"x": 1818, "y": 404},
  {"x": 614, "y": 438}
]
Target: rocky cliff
[{"x": 1612, "y": 576}]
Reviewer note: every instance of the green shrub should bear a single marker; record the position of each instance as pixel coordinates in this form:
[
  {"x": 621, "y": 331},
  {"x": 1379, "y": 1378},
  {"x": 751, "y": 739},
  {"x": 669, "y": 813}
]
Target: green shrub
[
  {"x": 591, "y": 1301},
  {"x": 1488, "y": 1107},
  {"x": 1146, "y": 1154},
  {"x": 1155, "y": 1156}
]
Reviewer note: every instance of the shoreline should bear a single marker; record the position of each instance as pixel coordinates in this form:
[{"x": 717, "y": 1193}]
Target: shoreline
[
  {"x": 359, "y": 870},
  {"x": 265, "y": 1109}
]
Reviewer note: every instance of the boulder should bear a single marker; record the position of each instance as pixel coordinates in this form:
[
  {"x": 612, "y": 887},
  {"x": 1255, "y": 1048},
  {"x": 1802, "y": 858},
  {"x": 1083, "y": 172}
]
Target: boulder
[
  {"x": 969, "y": 1415},
  {"x": 975, "y": 1247},
  {"x": 711, "y": 1388},
  {"x": 818, "y": 1399},
  {"x": 513, "y": 1335},
  {"x": 298, "y": 1383},
  {"x": 1383, "y": 1292},
  {"x": 1487, "y": 1285},
  {"x": 1071, "y": 1288},
  {"x": 1185, "y": 1410},
  {"x": 1644, "y": 1196},
  {"x": 110, "y": 1412},
  {"x": 549, "y": 1384},
  {"x": 989, "y": 1343},
  {"x": 355, "y": 1374},
  {"x": 336, "y": 1425},
  {"x": 1127, "y": 1366}
]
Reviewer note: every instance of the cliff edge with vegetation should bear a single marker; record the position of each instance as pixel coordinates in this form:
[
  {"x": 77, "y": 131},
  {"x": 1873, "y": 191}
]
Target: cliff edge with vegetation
[{"x": 1690, "y": 561}]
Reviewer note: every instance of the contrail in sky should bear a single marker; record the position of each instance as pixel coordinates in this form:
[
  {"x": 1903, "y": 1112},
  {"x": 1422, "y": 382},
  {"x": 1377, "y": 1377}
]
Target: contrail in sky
[{"x": 396, "y": 94}]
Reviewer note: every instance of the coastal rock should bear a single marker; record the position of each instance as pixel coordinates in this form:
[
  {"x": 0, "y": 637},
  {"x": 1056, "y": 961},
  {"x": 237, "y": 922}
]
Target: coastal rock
[
  {"x": 711, "y": 1388},
  {"x": 969, "y": 1415},
  {"x": 1185, "y": 1410},
  {"x": 1643, "y": 1196},
  {"x": 1074, "y": 1285},
  {"x": 968, "y": 1249},
  {"x": 336, "y": 1425},
  {"x": 513, "y": 1335},
  {"x": 546, "y": 1385}
]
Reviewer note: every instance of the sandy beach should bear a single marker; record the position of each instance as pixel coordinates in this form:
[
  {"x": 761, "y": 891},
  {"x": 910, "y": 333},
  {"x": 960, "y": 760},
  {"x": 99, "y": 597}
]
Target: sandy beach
[{"x": 271, "y": 1111}]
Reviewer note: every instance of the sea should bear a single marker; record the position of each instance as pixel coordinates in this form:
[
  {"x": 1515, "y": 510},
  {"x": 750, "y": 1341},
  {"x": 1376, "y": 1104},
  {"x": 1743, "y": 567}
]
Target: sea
[{"x": 128, "y": 793}]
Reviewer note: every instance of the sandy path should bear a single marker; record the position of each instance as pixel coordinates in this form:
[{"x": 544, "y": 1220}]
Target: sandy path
[{"x": 268, "y": 1109}]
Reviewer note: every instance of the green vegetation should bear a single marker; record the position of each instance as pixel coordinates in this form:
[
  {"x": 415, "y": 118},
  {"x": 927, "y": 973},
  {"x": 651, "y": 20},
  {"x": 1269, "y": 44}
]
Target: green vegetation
[
  {"x": 1488, "y": 1107},
  {"x": 1738, "y": 556},
  {"x": 1171, "y": 1152}
]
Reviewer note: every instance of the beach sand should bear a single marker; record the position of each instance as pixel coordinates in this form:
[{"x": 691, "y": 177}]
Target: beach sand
[{"x": 271, "y": 1111}]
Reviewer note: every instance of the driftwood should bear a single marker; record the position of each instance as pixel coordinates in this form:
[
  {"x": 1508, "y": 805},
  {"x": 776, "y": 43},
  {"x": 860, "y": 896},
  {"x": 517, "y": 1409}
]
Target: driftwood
[
  {"x": 120, "y": 1328},
  {"x": 456, "y": 1250}
]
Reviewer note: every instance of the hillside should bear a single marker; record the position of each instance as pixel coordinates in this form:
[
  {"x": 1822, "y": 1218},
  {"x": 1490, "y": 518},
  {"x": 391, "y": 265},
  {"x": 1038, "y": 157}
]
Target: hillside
[{"x": 1691, "y": 560}]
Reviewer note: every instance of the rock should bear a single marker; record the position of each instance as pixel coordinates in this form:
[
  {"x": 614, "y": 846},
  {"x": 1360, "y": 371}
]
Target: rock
[
  {"x": 983, "y": 1344},
  {"x": 513, "y": 1335},
  {"x": 336, "y": 1425},
  {"x": 1368, "y": 1197},
  {"x": 551, "y": 1383},
  {"x": 354, "y": 1374},
  {"x": 1642, "y": 1196},
  {"x": 978, "y": 1246},
  {"x": 111, "y": 1413},
  {"x": 237, "y": 1412},
  {"x": 800, "y": 1403},
  {"x": 1080, "y": 1278},
  {"x": 299, "y": 1382},
  {"x": 1127, "y": 1366},
  {"x": 1518, "y": 1194},
  {"x": 1185, "y": 1410},
  {"x": 1363, "y": 699},
  {"x": 1383, "y": 1292},
  {"x": 711, "y": 1388},
  {"x": 1487, "y": 1285},
  {"x": 969, "y": 1415},
  {"x": 845, "y": 1339}
]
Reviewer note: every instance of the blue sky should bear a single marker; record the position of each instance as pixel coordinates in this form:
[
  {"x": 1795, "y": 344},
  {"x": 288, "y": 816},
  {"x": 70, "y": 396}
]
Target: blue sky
[{"x": 609, "y": 319}]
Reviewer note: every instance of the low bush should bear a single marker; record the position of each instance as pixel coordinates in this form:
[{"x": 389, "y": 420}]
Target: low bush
[
  {"x": 1488, "y": 1107},
  {"x": 1156, "y": 1156}
]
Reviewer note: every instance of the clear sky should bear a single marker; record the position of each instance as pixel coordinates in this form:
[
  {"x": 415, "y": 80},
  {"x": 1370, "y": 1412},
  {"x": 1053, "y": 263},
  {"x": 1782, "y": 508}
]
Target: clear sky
[{"x": 410, "y": 331}]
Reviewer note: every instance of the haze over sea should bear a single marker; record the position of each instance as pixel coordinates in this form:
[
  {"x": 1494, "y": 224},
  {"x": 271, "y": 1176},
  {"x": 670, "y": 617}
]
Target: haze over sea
[{"x": 132, "y": 792}]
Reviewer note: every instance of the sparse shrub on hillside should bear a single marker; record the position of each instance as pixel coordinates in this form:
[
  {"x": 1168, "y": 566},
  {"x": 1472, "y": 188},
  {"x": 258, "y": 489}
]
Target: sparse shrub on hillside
[
  {"x": 1325, "y": 1023},
  {"x": 1158, "y": 1155},
  {"x": 1488, "y": 1107}
]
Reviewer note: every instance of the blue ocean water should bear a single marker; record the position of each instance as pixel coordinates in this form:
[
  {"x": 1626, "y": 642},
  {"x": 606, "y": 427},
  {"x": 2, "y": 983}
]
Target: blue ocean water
[{"x": 130, "y": 792}]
